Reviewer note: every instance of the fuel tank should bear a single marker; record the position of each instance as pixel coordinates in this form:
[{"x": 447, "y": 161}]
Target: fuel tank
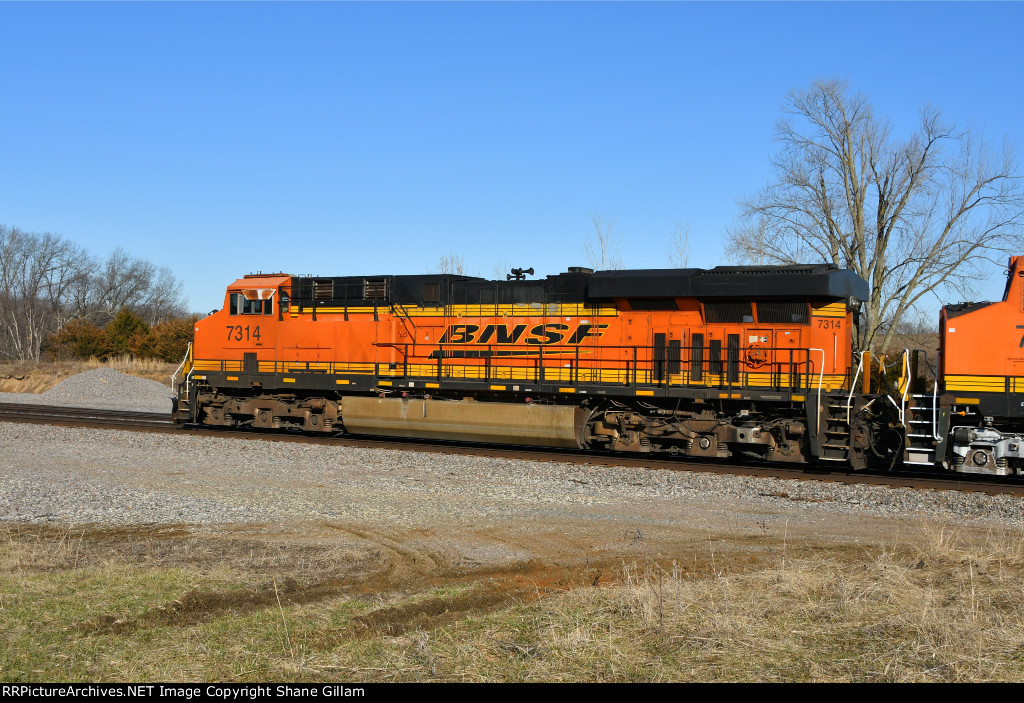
[{"x": 465, "y": 420}]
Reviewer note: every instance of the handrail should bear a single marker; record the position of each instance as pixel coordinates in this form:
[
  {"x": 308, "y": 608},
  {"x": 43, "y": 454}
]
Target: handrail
[
  {"x": 904, "y": 381},
  {"x": 898, "y": 408},
  {"x": 787, "y": 369},
  {"x": 906, "y": 385},
  {"x": 853, "y": 386},
  {"x": 174, "y": 376},
  {"x": 404, "y": 316},
  {"x": 821, "y": 376},
  {"x": 606, "y": 357},
  {"x": 935, "y": 391}
]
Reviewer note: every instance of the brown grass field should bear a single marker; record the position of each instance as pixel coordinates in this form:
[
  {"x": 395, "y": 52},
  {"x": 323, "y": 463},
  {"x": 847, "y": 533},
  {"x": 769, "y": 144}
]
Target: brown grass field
[{"x": 171, "y": 605}]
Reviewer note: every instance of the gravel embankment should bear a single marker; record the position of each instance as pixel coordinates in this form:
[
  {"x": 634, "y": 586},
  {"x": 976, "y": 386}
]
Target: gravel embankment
[
  {"x": 101, "y": 388},
  {"x": 69, "y": 475},
  {"x": 77, "y": 476}
]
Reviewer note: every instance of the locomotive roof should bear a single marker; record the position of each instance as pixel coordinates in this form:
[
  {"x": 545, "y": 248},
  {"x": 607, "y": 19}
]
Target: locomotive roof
[
  {"x": 805, "y": 281},
  {"x": 957, "y": 309},
  {"x": 810, "y": 281}
]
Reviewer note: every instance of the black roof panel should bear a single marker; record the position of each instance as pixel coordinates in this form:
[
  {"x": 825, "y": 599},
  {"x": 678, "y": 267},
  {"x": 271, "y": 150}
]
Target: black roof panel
[
  {"x": 745, "y": 282},
  {"x": 806, "y": 281}
]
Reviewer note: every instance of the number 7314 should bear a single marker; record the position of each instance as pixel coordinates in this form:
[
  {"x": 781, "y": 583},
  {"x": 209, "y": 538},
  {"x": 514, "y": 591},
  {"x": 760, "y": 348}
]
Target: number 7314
[{"x": 237, "y": 333}]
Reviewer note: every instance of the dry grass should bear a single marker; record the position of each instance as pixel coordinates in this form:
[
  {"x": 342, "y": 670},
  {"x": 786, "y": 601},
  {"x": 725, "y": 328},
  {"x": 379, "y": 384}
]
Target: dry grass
[
  {"x": 942, "y": 609},
  {"x": 946, "y": 607},
  {"x": 39, "y": 378},
  {"x": 942, "y": 606}
]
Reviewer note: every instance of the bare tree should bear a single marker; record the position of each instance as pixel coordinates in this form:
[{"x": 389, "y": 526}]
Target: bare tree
[
  {"x": 37, "y": 271},
  {"x": 912, "y": 216},
  {"x": 65, "y": 268},
  {"x": 451, "y": 263},
  {"x": 15, "y": 257},
  {"x": 46, "y": 281},
  {"x": 501, "y": 269},
  {"x": 602, "y": 248},
  {"x": 679, "y": 246},
  {"x": 163, "y": 299},
  {"x": 122, "y": 282},
  {"x": 127, "y": 282},
  {"x": 78, "y": 296}
]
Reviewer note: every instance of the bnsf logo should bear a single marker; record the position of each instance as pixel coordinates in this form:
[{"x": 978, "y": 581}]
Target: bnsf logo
[{"x": 551, "y": 333}]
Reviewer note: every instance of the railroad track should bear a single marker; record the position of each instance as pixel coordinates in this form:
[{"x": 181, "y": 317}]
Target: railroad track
[
  {"x": 85, "y": 417},
  {"x": 161, "y": 422}
]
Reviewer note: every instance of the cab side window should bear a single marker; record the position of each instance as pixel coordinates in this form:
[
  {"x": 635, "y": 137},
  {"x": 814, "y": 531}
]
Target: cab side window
[
  {"x": 240, "y": 305},
  {"x": 257, "y": 307}
]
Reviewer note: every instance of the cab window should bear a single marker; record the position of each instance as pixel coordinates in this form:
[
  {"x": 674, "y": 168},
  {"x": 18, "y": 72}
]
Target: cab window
[
  {"x": 256, "y": 307},
  {"x": 240, "y": 305}
]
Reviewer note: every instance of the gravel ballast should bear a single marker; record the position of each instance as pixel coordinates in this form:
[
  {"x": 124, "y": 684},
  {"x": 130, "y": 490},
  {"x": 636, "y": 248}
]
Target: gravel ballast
[
  {"x": 75, "y": 476},
  {"x": 71, "y": 476}
]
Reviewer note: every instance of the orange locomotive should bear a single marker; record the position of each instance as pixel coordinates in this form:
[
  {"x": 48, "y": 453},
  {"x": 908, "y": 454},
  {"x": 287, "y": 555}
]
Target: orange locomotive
[
  {"x": 713, "y": 363},
  {"x": 974, "y": 420}
]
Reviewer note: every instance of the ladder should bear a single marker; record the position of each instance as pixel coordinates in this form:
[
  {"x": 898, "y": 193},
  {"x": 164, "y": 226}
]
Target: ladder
[
  {"x": 920, "y": 425},
  {"x": 918, "y": 411},
  {"x": 836, "y": 443}
]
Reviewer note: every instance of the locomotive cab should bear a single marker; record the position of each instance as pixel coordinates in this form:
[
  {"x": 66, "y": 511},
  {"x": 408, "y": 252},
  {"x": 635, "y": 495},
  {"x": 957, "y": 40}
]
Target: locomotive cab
[
  {"x": 236, "y": 344},
  {"x": 243, "y": 331}
]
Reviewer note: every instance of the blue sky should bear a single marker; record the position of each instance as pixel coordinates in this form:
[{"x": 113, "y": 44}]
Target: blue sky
[{"x": 366, "y": 138}]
